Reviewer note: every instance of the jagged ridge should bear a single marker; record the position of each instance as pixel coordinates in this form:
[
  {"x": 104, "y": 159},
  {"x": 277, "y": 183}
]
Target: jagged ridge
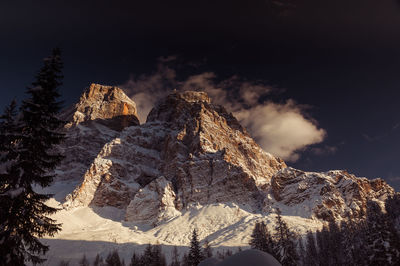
[{"x": 192, "y": 151}]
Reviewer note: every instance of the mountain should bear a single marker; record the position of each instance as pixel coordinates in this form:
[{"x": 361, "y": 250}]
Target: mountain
[
  {"x": 191, "y": 165},
  {"x": 98, "y": 117}
]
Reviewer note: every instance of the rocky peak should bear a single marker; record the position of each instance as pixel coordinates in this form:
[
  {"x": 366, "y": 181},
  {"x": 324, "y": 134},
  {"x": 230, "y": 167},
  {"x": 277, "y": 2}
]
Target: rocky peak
[
  {"x": 105, "y": 104},
  {"x": 192, "y": 96},
  {"x": 200, "y": 150},
  {"x": 179, "y": 108},
  {"x": 97, "y": 118}
]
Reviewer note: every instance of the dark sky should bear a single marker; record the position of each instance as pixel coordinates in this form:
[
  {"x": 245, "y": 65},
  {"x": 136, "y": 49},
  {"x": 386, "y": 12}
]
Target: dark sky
[{"x": 341, "y": 57}]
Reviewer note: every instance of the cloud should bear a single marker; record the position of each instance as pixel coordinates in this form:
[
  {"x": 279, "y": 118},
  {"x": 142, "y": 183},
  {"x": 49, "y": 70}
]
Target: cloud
[
  {"x": 324, "y": 150},
  {"x": 282, "y": 129},
  {"x": 382, "y": 136},
  {"x": 146, "y": 90}
]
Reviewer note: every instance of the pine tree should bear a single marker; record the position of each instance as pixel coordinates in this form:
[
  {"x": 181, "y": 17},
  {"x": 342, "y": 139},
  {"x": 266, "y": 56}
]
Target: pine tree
[
  {"x": 311, "y": 256},
  {"x": 135, "y": 260},
  {"x": 113, "y": 259},
  {"x": 349, "y": 241},
  {"x": 185, "y": 260},
  {"x": 84, "y": 261},
  {"x": 26, "y": 219},
  {"x": 97, "y": 261},
  {"x": 195, "y": 253},
  {"x": 9, "y": 186},
  {"x": 147, "y": 257},
  {"x": 323, "y": 245},
  {"x": 261, "y": 239},
  {"x": 158, "y": 256},
  {"x": 301, "y": 252},
  {"x": 285, "y": 247},
  {"x": 381, "y": 237},
  {"x": 335, "y": 244},
  {"x": 227, "y": 253},
  {"x": 63, "y": 263},
  {"x": 152, "y": 256},
  {"x": 175, "y": 257},
  {"x": 8, "y": 137},
  {"x": 207, "y": 249},
  {"x": 392, "y": 206}
]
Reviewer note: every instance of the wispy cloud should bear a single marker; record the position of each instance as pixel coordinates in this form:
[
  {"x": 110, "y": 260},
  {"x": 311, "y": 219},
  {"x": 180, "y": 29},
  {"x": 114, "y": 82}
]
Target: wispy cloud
[
  {"x": 282, "y": 129},
  {"x": 324, "y": 150},
  {"x": 370, "y": 138}
]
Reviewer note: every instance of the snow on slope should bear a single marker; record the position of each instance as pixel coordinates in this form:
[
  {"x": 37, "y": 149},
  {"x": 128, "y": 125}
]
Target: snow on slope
[
  {"x": 191, "y": 165},
  {"x": 92, "y": 230}
]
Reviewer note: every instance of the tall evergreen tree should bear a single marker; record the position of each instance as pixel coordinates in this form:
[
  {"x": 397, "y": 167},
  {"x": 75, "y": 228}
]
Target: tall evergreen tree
[
  {"x": 195, "y": 253},
  {"x": 175, "y": 257},
  {"x": 381, "y": 238},
  {"x": 185, "y": 260},
  {"x": 335, "y": 245},
  {"x": 97, "y": 261},
  {"x": 135, "y": 260},
  {"x": 83, "y": 261},
  {"x": 113, "y": 259},
  {"x": 311, "y": 256},
  {"x": 207, "y": 249},
  {"x": 323, "y": 245},
  {"x": 392, "y": 206},
  {"x": 26, "y": 218},
  {"x": 9, "y": 186},
  {"x": 147, "y": 257},
  {"x": 285, "y": 247},
  {"x": 63, "y": 263},
  {"x": 158, "y": 256},
  {"x": 261, "y": 239},
  {"x": 301, "y": 252}
]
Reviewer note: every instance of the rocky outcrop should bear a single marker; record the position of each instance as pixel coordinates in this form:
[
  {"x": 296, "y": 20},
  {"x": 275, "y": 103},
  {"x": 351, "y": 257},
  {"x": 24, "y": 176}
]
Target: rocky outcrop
[
  {"x": 158, "y": 197},
  {"x": 191, "y": 151},
  {"x": 199, "y": 148},
  {"x": 97, "y": 118},
  {"x": 328, "y": 196},
  {"x": 104, "y": 104}
]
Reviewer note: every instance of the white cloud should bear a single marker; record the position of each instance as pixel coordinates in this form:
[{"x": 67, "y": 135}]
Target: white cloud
[
  {"x": 324, "y": 150},
  {"x": 281, "y": 129},
  {"x": 146, "y": 90}
]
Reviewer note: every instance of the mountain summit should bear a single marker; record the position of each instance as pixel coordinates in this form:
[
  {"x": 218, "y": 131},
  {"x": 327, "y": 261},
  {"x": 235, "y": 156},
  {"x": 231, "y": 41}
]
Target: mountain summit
[
  {"x": 103, "y": 103},
  {"x": 189, "y": 151},
  {"x": 191, "y": 165}
]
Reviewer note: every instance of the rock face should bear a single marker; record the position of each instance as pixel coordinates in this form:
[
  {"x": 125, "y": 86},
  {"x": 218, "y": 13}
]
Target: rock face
[
  {"x": 97, "y": 118},
  {"x": 104, "y": 104},
  {"x": 191, "y": 151},
  {"x": 328, "y": 196},
  {"x": 200, "y": 150}
]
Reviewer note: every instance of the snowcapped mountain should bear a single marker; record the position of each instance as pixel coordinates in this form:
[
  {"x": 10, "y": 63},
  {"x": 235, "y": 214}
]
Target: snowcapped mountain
[{"x": 191, "y": 165}]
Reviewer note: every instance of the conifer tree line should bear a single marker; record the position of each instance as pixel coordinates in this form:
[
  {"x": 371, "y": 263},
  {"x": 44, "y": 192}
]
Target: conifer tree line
[
  {"x": 154, "y": 256},
  {"x": 28, "y": 136},
  {"x": 374, "y": 240}
]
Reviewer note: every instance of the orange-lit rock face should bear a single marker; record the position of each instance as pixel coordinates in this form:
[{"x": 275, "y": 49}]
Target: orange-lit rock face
[
  {"x": 105, "y": 104},
  {"x": 125, "y": 110}
]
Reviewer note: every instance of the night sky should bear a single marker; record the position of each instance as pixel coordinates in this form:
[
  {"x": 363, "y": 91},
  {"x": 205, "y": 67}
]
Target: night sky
[{"x": 341, "y": 58}]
